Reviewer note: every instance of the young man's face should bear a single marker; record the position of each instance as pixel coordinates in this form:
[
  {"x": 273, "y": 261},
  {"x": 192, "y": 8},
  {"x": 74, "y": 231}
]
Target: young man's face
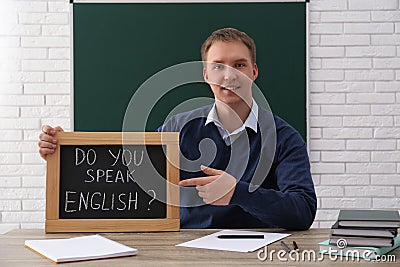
[{"x": 230, "y": 72}]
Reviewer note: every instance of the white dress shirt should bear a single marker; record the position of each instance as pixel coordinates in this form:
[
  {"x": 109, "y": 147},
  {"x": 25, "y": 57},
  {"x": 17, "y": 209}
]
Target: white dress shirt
[{"x": 228, "y": 137}]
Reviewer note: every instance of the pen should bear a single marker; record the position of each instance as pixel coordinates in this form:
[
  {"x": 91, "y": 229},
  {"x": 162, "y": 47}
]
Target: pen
[
  {"x": 295, "y": 246},
  {"x": 241, "y": 236},
  {"x": 286, "y": 247}
]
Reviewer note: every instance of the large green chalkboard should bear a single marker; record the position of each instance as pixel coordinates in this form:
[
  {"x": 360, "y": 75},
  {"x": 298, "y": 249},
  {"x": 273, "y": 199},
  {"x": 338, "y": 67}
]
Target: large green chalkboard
[{"x": 117, "y": 47}]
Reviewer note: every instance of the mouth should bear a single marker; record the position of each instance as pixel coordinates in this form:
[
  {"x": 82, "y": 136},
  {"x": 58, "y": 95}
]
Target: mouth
[{"x": 230, "y": 88}]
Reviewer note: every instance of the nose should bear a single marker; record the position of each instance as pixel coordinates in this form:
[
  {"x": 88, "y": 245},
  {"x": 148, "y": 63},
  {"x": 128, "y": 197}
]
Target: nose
[{"x": 230, "y": 74}]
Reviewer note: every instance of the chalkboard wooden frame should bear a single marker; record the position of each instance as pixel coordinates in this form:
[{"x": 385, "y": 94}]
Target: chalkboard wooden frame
[{"x": 170, "y": 223}]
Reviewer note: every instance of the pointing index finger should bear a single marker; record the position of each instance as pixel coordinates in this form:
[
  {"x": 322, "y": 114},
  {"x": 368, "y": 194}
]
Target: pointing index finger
[{"x": 196, "y": 181}]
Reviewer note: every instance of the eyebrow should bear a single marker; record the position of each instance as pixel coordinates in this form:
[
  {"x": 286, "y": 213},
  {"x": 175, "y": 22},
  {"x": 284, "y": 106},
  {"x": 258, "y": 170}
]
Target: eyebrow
[{"x": 237, "y": 60}]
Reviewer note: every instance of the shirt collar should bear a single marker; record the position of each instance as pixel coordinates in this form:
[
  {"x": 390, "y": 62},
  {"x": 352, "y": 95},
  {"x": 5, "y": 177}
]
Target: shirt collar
[{"x": 250, "y": 122}]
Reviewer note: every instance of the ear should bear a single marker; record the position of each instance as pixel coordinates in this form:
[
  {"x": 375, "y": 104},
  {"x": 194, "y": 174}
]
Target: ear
[
  {"x": 205, "y": 75},
  {"x": 255, "y": 71}
]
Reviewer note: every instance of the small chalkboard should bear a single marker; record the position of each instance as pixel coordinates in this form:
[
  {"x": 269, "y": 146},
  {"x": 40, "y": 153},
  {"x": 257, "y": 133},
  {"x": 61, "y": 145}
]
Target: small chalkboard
[{"x": 113, "y": 182}]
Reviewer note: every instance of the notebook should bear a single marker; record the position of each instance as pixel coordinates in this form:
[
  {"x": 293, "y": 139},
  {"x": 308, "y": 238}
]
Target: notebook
[
  {"x": 363, "y": 241},
  {"x": 79, "y": 248},
  {"x": 357, "y": 251},
  {"x": 369, "y": 218},
  {"x": 364, "y": 232}
]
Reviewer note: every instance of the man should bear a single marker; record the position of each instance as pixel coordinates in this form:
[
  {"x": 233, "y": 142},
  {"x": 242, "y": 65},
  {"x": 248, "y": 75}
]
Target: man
[{"x": 258, "y": 172}]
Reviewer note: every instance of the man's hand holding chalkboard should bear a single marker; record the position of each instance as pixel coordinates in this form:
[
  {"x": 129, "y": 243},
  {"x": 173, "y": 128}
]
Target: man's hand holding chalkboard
[
  {"x": 216, "y": 189},
  {"x": 47, "y": 143}
]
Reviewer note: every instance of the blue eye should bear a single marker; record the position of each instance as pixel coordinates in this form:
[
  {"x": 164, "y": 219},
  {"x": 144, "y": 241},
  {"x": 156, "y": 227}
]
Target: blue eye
[{"x": 218, "y": 67}]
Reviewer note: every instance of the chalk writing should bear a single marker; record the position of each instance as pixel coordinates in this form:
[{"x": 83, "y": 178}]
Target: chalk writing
[
  {"x": 81, "y": 201},
  {"x": 103, "y": 181}
]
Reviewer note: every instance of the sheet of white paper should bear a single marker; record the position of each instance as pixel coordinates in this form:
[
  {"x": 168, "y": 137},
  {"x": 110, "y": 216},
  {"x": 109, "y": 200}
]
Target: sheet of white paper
[{"x": 239, "y": 245}]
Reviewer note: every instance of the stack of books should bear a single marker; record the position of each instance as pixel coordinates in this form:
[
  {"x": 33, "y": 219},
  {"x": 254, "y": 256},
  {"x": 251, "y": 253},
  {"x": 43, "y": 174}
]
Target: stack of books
[{"x": 373, "y": 231}]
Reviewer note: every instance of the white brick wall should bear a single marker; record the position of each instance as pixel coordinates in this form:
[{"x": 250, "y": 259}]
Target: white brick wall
[
  {"x": 34, "y": 89},
  {"x": 354, "y": 103},
  {"x": 355, "y": 93}
]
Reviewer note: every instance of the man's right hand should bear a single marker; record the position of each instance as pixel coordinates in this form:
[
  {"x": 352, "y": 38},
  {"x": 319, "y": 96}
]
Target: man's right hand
[{"x": 47, "y": 142}]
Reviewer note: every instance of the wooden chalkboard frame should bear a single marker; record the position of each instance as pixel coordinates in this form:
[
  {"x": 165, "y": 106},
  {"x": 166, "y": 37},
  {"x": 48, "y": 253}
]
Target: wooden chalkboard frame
[{"x": 170, "y": 223}]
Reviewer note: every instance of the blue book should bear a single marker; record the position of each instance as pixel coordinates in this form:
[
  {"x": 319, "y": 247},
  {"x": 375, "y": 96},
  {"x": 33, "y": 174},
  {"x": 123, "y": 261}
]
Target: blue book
[{"x": 357, "y": 251}]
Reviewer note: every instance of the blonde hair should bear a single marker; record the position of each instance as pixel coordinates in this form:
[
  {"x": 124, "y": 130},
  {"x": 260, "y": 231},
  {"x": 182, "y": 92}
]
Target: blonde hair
[{"x": 229, "y": 35}]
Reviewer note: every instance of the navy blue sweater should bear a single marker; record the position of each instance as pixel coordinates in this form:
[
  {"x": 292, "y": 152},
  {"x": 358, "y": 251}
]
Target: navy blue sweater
[{"x": 284, "y": 193}]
